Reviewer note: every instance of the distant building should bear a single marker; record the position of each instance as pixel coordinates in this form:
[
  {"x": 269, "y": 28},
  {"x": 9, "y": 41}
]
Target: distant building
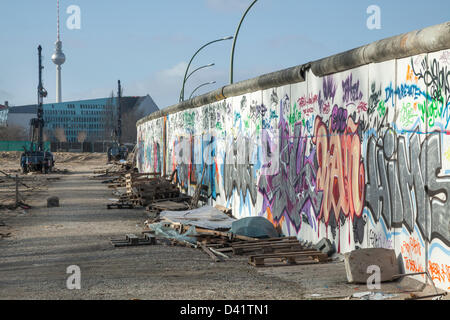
[
  {"x": 91, "y": 120},
  {"x": 3, "y": 114}
]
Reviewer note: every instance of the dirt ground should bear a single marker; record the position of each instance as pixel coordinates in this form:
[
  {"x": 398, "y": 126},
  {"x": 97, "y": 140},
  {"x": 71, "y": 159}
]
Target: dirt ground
[{"x": 39, "y": 244}]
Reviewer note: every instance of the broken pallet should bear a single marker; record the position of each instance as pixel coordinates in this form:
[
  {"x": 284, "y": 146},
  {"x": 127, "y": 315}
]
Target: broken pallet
[
  {"x": 268, "y": 247},
  {"x": 285, "y": 258},
  {"x": 133, "y": 240},
  {"x": 120, "y": 205}
]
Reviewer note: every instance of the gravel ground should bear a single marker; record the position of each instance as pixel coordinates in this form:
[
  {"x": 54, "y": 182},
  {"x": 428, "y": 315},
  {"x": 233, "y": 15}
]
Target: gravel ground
[{"x": 43, "y": 242}]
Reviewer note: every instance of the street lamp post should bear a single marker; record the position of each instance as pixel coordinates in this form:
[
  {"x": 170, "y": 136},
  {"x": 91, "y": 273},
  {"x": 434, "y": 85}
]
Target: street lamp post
[
  {"x": 204, "y": 84},
  {"x": 190, "y": 74},
  {"x": 189, "y": 64},
  {"x": 235, "y": 38}
]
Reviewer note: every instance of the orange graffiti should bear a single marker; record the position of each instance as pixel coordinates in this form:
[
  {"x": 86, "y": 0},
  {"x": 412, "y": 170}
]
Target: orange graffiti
[
  {"x": 410, "y": 75},
  {"x": 411, "y": 247},
  {"x": 271, "y": 219},
  {"x": 340, "y": 173},
  {"x": 411, "y": 252},
  {"x": 413, "y": 265},
  {"x": 439, "y": 273}
]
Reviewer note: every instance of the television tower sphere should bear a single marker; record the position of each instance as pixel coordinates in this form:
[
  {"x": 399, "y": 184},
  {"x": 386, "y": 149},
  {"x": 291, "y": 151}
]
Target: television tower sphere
[{"x": 58, "y": 57}]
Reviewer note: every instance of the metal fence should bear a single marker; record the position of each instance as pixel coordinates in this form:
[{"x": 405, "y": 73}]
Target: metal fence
[
  {"x": 59, "y": 146},
  {"x": 80, "y": 147}
]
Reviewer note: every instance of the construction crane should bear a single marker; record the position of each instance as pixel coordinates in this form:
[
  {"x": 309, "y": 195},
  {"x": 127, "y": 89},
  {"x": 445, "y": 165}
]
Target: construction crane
[
  {"x": 118, "y": 151},
  {"x": 36, "y": 158}
]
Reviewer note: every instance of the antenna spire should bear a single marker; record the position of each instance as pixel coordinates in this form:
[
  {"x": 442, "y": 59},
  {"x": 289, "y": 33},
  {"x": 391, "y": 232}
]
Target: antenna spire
[{"x": 57, "y": 7}]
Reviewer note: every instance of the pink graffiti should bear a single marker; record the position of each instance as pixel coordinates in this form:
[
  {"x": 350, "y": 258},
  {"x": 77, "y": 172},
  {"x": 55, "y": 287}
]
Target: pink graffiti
[
  {"x": 340, "y": 173},
  {"x": 362, "y": 106},
  {"x": 304, "y": 101}
]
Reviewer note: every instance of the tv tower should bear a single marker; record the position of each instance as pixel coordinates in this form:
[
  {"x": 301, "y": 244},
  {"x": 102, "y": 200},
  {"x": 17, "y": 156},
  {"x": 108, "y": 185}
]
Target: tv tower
[{"x": 58, "y": 58}]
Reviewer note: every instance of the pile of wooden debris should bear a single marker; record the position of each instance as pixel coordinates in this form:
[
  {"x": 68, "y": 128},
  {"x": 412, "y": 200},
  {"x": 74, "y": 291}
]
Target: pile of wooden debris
[
  {"x": 149, "y": 190},
  {"x": 219, "y": 243}
]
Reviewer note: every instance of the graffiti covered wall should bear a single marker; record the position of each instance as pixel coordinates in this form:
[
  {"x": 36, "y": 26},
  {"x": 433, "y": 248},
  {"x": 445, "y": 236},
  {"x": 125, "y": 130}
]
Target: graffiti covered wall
[{"x": 361, "y": 157}]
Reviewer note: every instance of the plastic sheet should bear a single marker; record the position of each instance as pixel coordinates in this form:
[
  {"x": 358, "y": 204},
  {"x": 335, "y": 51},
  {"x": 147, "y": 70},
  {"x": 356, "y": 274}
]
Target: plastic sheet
[{"x": 170, "y": 233}]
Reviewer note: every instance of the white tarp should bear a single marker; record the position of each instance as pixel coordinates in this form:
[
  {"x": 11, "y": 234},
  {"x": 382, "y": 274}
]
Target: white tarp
[{"x": 205, "y": 217}]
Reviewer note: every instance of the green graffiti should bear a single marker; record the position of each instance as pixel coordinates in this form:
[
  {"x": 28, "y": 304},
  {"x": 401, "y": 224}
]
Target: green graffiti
[
  {"x": 258, "y": 128},
  {"x": 295, "y": 115},
  {"x": 381, "y": 109},
  {"x": 219, "y": 126},
  {"x": 407, "y": 115},
  {"x": 434, "y": 109},
  {"x": 189, "y": 119}
]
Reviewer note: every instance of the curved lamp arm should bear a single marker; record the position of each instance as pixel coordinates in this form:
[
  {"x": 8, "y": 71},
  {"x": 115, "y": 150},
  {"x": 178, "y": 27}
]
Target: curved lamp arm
[
  {"x": 234, "y": 41},
  {"x": 208, "y": 65},
  {"x": 204, "y": 84},
  {"x": 189, "y": 64}
]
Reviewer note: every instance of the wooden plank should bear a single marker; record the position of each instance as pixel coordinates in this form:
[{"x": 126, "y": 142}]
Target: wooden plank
[
  {"x": 227, "y": 249},
  {"x": 263, "y": 240},
  {"x": 219, "y": 253},
  {"x": 229, "y": 235},
  {"x": 250, "y": 244},
  {"x": 269, "y": 248},
  {"x": 286, "y": 254},
  {"x": 278, "y": 263},
  {"x": 321, "y": 257},
  {"x": 169, "y": 205},
  {"x": 209, "y": 252}
]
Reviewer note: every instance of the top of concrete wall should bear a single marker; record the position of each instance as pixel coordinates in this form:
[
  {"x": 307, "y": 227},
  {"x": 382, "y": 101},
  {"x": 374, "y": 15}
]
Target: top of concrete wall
[{"x": 426, "y": 40}]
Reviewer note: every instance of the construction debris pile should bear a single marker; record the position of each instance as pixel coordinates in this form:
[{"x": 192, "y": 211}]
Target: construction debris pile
[
  {"x": 175, "y": 219},
  {"x": 209, "y": 229},
  {"x": 149, "y": 190}
]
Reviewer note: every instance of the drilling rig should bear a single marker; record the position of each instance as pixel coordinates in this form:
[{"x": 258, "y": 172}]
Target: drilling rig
[
  {"x": 118, "y": 151},
  {"x": 36, "y": 158}
]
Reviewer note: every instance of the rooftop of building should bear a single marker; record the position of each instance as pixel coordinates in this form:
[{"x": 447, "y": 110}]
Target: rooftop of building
[{"x": 32, "y": 108}]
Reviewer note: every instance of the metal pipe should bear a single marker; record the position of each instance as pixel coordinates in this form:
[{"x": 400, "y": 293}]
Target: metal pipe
[
  {"x": 204, "y": 84},
  {"x": 235, "y": 38},
  {"x": 189, "y": 64},
  {"x": 199, "y": 68}
]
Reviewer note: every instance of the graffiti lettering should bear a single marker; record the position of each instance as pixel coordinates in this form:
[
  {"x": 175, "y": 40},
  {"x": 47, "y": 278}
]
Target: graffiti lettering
[
  {"x": 351, "y": 90},
  {"x": 340, "y": 173},
  {"x": 390, "y": 182},
  {"x": 291, "y": 191}
]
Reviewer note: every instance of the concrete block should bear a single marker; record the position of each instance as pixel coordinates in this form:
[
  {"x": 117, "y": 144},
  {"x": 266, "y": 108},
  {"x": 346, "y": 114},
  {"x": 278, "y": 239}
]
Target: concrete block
[
  {"x": 52, "y": 202},
  {"x": 357, "y": 262},
  {"x": 325, "y": 246}
]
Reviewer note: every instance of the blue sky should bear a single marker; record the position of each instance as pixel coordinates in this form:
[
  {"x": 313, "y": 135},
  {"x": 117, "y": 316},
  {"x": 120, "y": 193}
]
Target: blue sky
[{"x": 147, "y": 43}]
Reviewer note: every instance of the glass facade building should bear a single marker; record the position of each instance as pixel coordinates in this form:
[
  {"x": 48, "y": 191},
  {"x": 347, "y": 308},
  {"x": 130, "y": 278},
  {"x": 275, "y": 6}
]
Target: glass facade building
[{"x": 86, "y": 120}]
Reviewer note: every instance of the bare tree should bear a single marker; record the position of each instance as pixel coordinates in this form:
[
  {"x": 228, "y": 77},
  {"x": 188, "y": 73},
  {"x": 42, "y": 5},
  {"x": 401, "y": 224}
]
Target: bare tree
[
  {"x": 129, "y": 119},
  {"x": 109, "y": 118},
  {"x": 60, "y": 135},
  {"x": 81, "y": 136}
]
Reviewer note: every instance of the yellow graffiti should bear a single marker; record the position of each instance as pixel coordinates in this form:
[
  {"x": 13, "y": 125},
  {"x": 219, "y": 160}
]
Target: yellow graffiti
[{"x": 447, "y": 154}]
